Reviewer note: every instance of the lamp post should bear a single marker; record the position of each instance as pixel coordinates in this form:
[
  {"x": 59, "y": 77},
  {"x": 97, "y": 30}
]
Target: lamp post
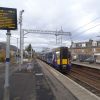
[{"x": 21, "y": 39}]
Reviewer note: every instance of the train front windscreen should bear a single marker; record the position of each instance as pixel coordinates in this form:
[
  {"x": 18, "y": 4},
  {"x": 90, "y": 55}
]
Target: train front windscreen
[{"x": 64, "y": 53}]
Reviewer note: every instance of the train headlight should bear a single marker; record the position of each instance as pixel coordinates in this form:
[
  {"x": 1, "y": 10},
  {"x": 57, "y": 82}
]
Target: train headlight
[{"x": 64, "y": 66}]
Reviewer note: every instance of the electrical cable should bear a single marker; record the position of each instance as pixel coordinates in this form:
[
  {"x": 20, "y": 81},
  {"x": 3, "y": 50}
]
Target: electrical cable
[
  {"x": 90, "y": 28},
  {"x": 86, "y": 24}
]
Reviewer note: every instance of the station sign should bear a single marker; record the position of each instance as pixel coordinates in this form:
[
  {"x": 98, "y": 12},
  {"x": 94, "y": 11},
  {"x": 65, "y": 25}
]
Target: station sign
[{"x": 8, "y": 18}]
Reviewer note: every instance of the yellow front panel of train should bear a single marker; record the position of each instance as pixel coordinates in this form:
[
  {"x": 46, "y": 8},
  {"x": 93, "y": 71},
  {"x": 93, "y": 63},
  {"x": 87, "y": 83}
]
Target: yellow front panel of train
[
  {"x": 64, "y": 61},
  {"x": 58, "y": 61}
]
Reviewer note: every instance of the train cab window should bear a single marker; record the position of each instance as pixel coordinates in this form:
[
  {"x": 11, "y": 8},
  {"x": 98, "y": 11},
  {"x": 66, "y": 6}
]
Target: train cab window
[
  {"x": 64, "y": 53},
  {"x": 58, "y": 54}
]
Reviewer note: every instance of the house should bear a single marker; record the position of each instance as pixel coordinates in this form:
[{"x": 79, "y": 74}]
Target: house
[{"x": 88, "y": 48}]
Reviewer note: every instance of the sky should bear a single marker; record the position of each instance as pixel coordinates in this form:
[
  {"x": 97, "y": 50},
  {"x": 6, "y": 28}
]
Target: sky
[{"x": 80, "y": 17}]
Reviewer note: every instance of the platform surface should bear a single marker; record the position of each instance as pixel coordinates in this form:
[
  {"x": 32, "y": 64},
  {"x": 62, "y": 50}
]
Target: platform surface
[{"x": 91, "y": 65}]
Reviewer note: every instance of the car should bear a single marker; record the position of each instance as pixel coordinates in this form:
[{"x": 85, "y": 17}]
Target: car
[
  {"x": 74, "y": 58},
  {"x": 90, "y": 60}
]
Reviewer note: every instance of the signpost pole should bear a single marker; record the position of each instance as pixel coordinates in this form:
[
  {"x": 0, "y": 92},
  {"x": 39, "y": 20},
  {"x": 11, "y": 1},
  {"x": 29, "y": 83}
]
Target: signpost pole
[
  {"x": 6, "y": 85},
  {"x": 8, "y": 21}
]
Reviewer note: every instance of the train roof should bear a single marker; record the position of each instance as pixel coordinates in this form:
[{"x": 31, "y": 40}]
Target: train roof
[
  {"x": 55, "y": 49},
  {"x": 59, "y": 48}
]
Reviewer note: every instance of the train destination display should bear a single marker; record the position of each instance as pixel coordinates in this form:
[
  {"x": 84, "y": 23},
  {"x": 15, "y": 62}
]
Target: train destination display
[{"x": 8, "y": 18}]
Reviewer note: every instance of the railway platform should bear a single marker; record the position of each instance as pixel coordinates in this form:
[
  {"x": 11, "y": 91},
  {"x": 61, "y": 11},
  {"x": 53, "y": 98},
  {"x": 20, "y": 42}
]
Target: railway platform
[
  {"x": 87, "y": 64},
  {"x": 45, "y": 83}
]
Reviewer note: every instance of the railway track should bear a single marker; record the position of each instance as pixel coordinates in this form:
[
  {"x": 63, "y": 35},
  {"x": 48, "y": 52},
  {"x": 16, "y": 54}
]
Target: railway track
[{"x": 86, "y": 77}]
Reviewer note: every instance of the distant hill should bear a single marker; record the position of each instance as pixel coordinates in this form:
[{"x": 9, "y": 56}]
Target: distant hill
[{"x": 3, "y": 46}]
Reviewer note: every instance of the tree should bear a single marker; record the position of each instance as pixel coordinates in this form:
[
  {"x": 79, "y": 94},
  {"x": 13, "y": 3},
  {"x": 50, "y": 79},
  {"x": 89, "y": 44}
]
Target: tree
[
  {"x": 28, "y": 48},
  {"x": 2, "y": 55}
]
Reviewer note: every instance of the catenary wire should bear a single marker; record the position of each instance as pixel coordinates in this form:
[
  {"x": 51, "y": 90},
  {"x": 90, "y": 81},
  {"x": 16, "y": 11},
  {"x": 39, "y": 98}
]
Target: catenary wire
[{"x": 86, "y": 24}]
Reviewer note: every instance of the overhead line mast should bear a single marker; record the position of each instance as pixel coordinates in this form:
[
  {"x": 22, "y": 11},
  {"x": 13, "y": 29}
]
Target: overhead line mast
[{"x": 56, "y": 33}]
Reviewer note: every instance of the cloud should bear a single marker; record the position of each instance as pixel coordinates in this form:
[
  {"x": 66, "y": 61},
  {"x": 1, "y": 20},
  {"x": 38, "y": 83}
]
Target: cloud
[{"x": 51, "y": 15}]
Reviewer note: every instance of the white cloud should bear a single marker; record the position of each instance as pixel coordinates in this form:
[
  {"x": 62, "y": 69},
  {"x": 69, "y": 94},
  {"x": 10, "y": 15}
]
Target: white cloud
[{"x": 51, "y": 15}]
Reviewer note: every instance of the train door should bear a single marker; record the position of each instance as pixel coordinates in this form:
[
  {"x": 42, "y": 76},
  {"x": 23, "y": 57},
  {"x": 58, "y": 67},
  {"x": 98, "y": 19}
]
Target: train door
[{"x": 56, "y": 59}]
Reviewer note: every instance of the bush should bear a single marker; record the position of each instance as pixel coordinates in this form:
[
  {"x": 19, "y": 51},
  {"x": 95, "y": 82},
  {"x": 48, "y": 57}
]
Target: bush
[{"x": 2, "y": 59}]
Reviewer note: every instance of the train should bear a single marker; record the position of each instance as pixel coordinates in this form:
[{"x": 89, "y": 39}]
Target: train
[{"x": 59, "y": 58}]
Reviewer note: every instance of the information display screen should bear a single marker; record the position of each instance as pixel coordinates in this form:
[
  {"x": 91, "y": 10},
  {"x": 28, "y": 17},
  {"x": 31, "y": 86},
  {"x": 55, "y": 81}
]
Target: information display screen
[{"x": 8, "y": 18}]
